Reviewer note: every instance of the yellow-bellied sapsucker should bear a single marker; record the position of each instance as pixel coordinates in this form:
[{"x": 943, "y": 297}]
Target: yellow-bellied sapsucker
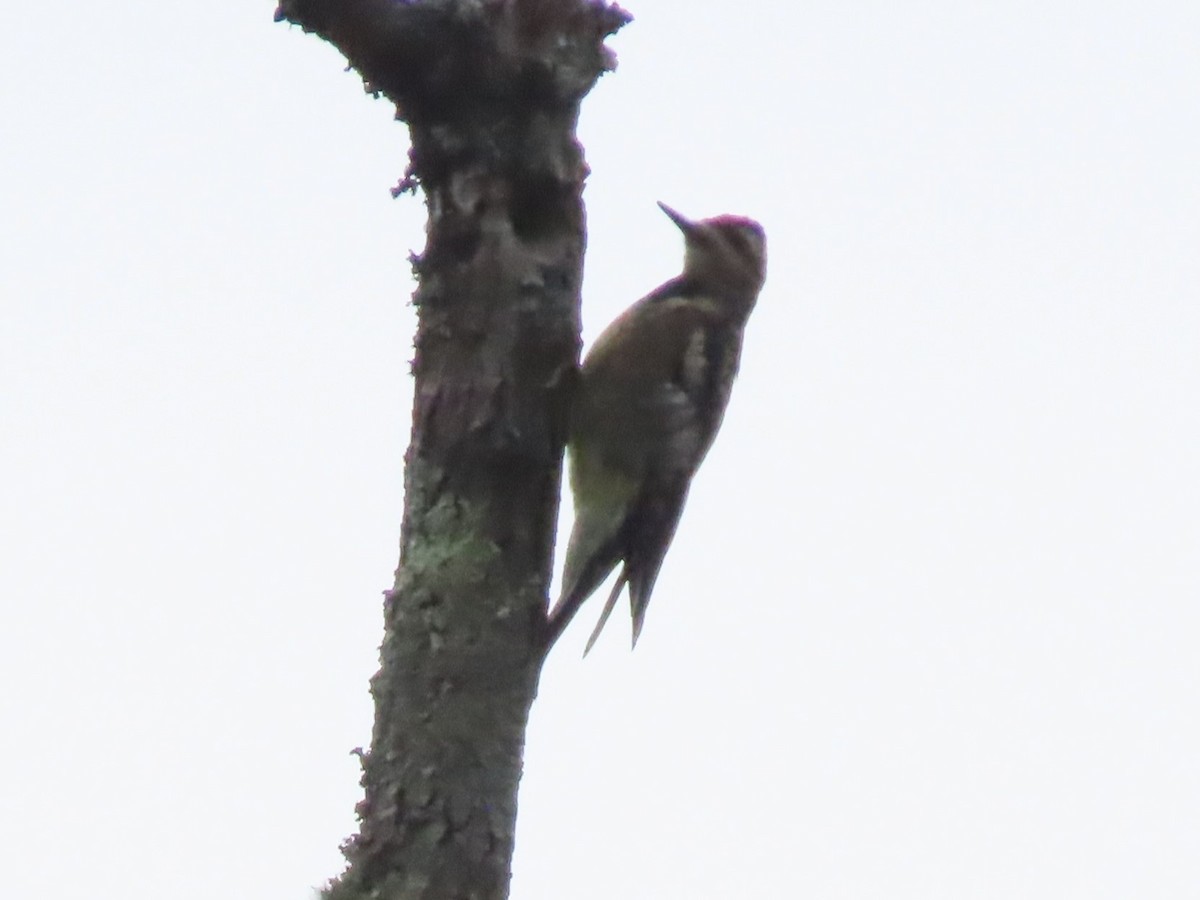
[{"x": 649, "y": 400}]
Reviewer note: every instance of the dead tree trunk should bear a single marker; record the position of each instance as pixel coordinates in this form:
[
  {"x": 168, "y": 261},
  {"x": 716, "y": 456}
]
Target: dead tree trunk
[{"x": 490, "y": 90}]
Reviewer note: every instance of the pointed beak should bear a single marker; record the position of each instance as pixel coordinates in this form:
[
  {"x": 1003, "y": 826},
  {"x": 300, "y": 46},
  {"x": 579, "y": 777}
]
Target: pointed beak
[{"x": 686, "y": 225}]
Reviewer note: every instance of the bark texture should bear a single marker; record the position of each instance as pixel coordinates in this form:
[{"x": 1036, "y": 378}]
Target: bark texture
[{"x": 490, "y": 90}]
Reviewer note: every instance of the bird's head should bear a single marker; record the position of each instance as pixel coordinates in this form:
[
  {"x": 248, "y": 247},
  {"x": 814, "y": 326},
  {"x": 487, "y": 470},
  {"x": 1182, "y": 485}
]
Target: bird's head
[{"x": 727, "y": 254}]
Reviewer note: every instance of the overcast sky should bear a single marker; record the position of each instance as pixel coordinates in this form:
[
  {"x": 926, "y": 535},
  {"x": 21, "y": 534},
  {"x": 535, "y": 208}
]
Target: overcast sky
[{"x": 929, "y": 626}]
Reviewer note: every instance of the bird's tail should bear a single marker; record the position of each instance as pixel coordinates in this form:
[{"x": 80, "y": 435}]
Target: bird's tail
[{"x": 608, "y": 608}]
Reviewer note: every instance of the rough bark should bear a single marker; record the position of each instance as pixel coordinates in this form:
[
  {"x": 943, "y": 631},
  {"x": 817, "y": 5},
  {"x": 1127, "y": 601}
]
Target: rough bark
[{"x": 490, "y": 90}]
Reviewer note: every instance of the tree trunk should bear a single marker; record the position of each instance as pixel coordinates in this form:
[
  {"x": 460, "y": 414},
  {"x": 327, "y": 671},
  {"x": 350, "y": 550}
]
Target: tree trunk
[{"x": 491, "y": 92}]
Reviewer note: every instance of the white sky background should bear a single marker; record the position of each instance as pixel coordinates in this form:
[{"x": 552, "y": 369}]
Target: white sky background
[{"x": 928, "y": 629}]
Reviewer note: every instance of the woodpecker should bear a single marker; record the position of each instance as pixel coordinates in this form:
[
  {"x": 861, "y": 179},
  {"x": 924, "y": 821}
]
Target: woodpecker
[{"x": 650, "y": 397}]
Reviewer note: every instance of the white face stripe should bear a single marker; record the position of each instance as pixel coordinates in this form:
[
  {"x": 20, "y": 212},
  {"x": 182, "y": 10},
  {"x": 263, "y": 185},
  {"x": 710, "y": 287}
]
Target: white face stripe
[{"x": 695, "y": 361}]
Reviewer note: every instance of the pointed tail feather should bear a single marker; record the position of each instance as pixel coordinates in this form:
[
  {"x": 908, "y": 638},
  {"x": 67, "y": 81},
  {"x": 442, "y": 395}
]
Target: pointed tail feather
[
  {"x": 608, "y": 608},
  {"x": 641, "y": 585},
  {"x": 577, "y": 587},
  {"x": 639, "y": 618}
]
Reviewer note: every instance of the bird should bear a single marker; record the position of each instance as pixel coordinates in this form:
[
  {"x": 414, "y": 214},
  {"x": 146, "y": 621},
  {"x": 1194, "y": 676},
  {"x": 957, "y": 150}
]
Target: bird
[{"x": 647, "y": 404}]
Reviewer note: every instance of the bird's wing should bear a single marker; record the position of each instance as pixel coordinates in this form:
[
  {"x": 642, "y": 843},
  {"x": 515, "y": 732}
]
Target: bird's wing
[{"x": 651, "y": 381}]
